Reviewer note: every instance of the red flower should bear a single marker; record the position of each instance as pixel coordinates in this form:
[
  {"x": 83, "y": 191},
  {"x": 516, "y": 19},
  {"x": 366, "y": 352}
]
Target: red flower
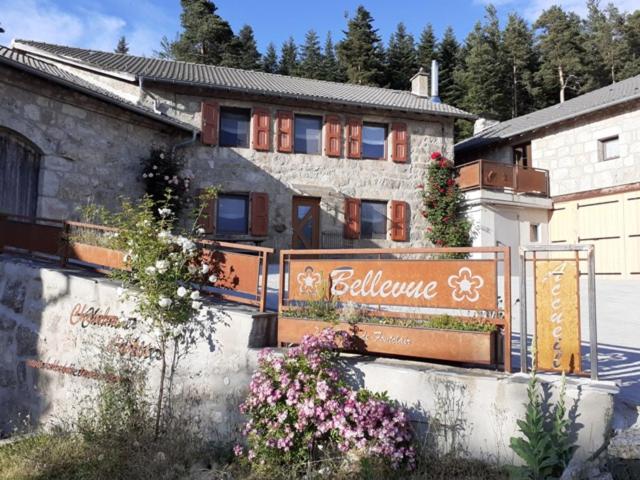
[
  {"x": 443, "y": 162},
  {"x": 435, "y": 155},
  {"x": 450, "y": 182}
]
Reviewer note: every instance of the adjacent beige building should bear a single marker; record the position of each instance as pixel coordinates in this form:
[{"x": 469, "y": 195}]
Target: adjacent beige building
[
  {"x": 300, "y": 163},
  {"x": 590, "y": 147}
]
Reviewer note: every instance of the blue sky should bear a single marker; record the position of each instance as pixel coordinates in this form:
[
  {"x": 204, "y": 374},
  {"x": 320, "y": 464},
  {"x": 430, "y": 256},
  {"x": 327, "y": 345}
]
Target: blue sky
[{"x": 98, "y": 24}]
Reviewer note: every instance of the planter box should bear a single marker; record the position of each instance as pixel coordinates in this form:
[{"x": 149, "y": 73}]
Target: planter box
[
  {"x": 448, "y": 345},
  {"x": 104, "y": 257}
]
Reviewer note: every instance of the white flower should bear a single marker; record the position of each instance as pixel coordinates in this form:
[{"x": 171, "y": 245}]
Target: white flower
[
  {"x": 150, "y": 270},
  {"x": 213, "y": 278},
  {"x": 181, "y": 292},
  {"x": 165, "y": 302},
  {"x": 192, "y": 269},
  {"x": 150, "y": 175},
  {"x": 196, "y": 305},
  {"x": 188, "y": 246},
  {"x": 162, "y": 265},
  {"x": 200, "y": 231},
  {"x": 164, "y": 212},
  {"x": 162, "y": 155},
  {"x": 120, "y": 292},
  {"x": 205, "y": 268},
  {"x": 166, "y": 178},
  {"x": 155, "y": 167},
  {"x": 164, "y": 236},
  {"x": 195, "y": 295},
  {"x": 144, "y": 175}
]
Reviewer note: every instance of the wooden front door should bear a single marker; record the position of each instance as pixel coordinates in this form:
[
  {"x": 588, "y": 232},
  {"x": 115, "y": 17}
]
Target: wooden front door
[{"x": 305, "y": 221}]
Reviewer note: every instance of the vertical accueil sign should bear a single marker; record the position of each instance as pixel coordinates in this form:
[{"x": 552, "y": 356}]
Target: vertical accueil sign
[{"x": 557, "y": 316}]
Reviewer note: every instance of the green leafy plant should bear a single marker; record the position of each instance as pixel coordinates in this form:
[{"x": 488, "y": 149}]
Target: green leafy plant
[
  {"x": 545, "y": 446},
  {"x": 444, "y": 206}
]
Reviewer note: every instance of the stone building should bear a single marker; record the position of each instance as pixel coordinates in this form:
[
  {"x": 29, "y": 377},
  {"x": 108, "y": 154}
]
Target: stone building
[
  {"x": 301, "y": 163},
  {"x": 589, "y": 147}
]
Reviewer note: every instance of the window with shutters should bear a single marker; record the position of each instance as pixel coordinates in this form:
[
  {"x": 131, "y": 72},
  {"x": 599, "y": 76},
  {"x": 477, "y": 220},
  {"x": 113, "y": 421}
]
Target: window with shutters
[
  {"x": 308, "y": 134},
  {"x": 374, "y": 141},
  {"x": 234, "y": 127},
  {"x": 232, "y": 216},
  {"x": 373, "y": 219}
]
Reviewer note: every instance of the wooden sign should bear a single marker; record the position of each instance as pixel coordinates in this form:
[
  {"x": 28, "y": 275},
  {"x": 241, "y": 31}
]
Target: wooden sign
[
  {"x": 557, "y": 316},
  {"x": 459, "y": 284}
]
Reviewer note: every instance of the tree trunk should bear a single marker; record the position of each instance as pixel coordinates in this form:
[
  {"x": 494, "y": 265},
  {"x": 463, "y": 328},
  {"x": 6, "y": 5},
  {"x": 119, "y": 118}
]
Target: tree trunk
[
  {"x": 562, "y": 83},
  {"x": 163, "y": 372}
]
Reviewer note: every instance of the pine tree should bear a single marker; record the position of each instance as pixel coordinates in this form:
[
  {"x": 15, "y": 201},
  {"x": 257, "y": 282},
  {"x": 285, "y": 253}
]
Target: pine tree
[
  {"x": 426, "y": 51},
  {"x": 166, "y": 49},
  {"x": 519, "y": 56},
  {"x": 242, "y": 51},
  {"x": 606, "y": 50},
  {"x": 561, "y": 53},
  {"x": 123, "y": 46},
  {"x": 311, "y": 57},
  {"x": 270, "y": 59},
  {"x": 482, "y": 76},
  {"x": 331, "y": 69},
  {"x": 205, "y": 34},
  {"x": 448, "y": 54},
  {"x": 288, "y": 58},
  {"x": 361, "y": 50},
  {"x": 401, "y": 59},
  {"x": 632, "y": 42}
]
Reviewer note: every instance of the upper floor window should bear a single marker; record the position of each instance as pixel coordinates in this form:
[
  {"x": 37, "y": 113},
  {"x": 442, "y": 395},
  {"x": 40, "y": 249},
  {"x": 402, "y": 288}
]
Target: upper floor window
[
  {"x": 233, "y": 215},
  {"x": 373, "y": 219},
  {"x": 374, "y": 137},
  {"x": 534, "y": 232},
  {"x": 234, "y": 127},
  {"x": 308, "y": 133},
  {"x": 522, "y": 155},
  {"x": 609, "y": 148}
]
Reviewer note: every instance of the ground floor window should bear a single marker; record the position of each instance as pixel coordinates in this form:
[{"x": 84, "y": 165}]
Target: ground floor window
[
  {"x": 232, "y": 215},
  {"x": 373, "y": 223},
  {"x": 19, "y": 173}
]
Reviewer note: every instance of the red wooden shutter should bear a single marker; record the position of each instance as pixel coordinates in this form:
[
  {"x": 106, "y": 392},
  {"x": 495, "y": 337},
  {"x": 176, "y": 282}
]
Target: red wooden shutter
[
  {"x": 209, "y": 111},
  {"x": 352, "y": 218},
  {"x": 399, "y": 221},
  {"x": 261, "y": 128},
  {"x": 332, "y": 136},
  {"x": 259, "y": 214},
  {"x": 285, "y": 131},
  {"x": 354, "y": 138},
  {"x": 207, "y": 219},
  {"x": 400, "y": 144}
]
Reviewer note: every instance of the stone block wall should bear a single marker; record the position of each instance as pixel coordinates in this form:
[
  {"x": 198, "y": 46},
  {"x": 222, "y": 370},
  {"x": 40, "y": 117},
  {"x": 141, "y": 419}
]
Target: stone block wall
[{"x": 90, "y": 149}]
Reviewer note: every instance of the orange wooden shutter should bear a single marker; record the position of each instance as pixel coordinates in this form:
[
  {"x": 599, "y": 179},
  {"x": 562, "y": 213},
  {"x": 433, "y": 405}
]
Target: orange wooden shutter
[
  {"x": 209, "y": 111},
  {"x": 333, "y": 136},
  {"x": 207, "y": 219},
  {"x": 261, "y": 127},
  {"x": 399, "y": 150},
  {"x": 285, "y": 131},
  {"x": 259, "y": 214},
  {"x": 399, "y": 221},
  {"x": 352, "y": 218},
  {"x": 354, "y": 138}
]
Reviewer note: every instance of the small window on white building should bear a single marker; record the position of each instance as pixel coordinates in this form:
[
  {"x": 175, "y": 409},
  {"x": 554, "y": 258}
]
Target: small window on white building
[
  {"x": 608, "y": 148},
  {"x": 534, "y": 232}
]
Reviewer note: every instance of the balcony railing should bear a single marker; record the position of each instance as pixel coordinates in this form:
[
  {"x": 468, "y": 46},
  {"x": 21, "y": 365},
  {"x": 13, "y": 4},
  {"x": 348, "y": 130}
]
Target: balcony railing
[{"x": 503, "y": 177}]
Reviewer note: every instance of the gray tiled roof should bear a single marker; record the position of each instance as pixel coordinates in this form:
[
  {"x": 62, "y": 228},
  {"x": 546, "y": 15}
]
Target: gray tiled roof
[
  {"x": 605, "y": 97},
  {"x": 247, "y": 80},
  {"x": 52, "y": 72}
]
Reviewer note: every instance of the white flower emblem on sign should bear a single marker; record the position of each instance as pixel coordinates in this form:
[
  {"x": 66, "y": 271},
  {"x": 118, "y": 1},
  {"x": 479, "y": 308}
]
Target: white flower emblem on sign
[
  {"x": 308, "y": 281},
  {"x": 465, "y": 285}
]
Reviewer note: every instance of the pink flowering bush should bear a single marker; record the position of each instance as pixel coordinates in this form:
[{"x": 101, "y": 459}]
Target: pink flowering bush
[{"x": 300, "y": 409}]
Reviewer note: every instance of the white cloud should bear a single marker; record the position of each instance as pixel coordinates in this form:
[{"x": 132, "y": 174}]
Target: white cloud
[
  {"x": 531, "y": 9},
  {"x": 80, "y": 25}
]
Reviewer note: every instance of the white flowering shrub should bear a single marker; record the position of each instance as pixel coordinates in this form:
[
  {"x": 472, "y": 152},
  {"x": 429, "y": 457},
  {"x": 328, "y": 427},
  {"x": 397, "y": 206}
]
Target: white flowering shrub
[{"x": 162, "y": 171}]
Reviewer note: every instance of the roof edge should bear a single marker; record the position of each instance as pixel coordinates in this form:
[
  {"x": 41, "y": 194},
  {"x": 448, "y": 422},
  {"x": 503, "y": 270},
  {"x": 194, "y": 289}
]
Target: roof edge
[{"x": 98, "y": 95}]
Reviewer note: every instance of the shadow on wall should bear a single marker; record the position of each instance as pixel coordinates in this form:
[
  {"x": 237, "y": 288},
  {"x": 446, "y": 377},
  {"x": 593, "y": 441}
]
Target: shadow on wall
[{"x": 22, "y": 303}]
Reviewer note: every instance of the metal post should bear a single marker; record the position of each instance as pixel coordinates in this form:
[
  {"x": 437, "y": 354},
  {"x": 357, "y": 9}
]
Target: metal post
[
  {"x": 593, "y": 334},
  {"x": 523, "y": 311}
]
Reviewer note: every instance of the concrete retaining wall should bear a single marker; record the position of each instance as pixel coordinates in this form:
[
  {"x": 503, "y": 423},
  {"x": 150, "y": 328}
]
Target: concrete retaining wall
[{"x": 47, "y": 358}]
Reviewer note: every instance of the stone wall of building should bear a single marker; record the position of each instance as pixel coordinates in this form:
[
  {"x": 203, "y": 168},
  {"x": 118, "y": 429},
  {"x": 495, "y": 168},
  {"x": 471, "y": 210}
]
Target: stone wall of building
[
  {"x": 284, "y": 175},
  {"x": 90, "y": 149}
]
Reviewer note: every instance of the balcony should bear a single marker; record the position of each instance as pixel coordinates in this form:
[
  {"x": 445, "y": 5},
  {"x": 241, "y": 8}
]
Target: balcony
[{"x": 483, "y": 174}]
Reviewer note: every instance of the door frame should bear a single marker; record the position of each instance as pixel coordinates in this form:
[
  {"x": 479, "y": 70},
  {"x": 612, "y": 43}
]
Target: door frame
[{"x": 314, "y": 213}]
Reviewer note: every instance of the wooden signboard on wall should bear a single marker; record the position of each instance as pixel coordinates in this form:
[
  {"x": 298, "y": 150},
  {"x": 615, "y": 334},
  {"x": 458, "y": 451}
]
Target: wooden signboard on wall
[
  {"x": 557, "y": 315},
  {"x": 463, "y": 284}
]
